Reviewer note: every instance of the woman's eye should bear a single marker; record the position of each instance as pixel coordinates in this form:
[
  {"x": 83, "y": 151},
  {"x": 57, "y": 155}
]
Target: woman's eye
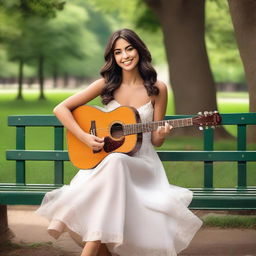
[
  {"x": 117, "y": 52},
  {"x": 130, "y": 48}
]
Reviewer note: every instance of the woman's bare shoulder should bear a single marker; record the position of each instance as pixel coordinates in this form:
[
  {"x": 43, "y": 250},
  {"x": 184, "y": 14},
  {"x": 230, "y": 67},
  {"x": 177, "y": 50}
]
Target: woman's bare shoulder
[
  {"x": 100, "y": 83},
  {"x": 95, "y": 88},
  {"x": 161, "y": 85},
  {"x": 162, "y": 92}
]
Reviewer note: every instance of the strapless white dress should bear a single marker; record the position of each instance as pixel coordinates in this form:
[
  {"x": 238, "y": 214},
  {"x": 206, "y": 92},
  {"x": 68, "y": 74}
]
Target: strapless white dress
[{"x": 126, "y": 202}]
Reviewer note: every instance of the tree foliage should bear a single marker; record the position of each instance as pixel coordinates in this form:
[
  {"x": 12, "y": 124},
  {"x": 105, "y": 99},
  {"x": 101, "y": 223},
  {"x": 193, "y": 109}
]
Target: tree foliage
[
  {"x": 76, "y": 45},
  {"x": 28, "y": 8},
  {"x": 72, "y": 46}
]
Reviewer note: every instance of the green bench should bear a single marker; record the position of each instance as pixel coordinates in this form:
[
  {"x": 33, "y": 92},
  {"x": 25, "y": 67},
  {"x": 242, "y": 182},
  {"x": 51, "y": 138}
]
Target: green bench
[{"x": 207, "y": 197}]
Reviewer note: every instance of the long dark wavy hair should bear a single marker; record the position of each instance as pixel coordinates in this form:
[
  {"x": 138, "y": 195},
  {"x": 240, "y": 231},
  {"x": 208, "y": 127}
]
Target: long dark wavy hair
[{"x": 112, "y": 73}]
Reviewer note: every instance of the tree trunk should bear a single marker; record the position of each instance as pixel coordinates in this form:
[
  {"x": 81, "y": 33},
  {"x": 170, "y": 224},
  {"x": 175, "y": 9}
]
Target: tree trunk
[
  {"x": 66, "y": 80},
  {"x": 20, "y": 79},
  {"x": 55, "y": 76},
  {"x": 243, "y": 15},
  {"x": 41, "y": 77},
  {"x": 5, "y": 233},
  {"x": 191, "y": 79},
  {"x": 30, "y": 82},
  {"x": 78, "y": 81}
]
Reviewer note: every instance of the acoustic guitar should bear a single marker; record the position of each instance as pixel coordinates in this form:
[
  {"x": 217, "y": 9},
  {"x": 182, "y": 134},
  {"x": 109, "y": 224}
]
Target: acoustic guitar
[{"x": 122, "y": 131}]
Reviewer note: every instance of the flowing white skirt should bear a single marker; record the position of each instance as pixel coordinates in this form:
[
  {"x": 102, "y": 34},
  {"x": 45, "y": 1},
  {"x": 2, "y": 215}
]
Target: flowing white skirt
[{"x": 127, "y": 203}]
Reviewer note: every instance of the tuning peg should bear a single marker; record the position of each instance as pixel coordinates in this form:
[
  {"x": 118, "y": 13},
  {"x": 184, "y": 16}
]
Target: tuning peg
[
  {"x": 213, "y": 127},
  {"x": 200, "y": 113},
  {"x": 206, "y": 113},
  {"x": 201, "y": 128},
  {"x": 215, "y": 112},
  {"x": 207, "y": 127},
  {"x": 210, "y": 112}
]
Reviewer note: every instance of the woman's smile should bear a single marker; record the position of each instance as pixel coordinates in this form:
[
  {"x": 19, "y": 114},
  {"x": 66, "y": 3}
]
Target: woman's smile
[
  {"x": 126, "y": 56},
  {"x": 127, "y": 62}
]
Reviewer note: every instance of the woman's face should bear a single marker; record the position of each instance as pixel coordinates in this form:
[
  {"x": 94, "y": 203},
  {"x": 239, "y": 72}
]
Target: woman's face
[{"x": 126, "y": 56}]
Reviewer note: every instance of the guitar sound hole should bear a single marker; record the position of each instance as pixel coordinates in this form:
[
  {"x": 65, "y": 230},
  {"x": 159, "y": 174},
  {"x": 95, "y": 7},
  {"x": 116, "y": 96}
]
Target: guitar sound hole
[{"x": 116, "y": 131}]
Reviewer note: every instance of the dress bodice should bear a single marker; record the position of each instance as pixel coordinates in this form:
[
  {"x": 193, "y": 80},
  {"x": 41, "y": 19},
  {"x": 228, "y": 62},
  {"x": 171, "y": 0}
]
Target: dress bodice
[{"x": 145, "y": 111}]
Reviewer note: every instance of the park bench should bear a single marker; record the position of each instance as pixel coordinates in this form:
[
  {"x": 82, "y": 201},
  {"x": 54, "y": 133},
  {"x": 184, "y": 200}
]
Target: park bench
[{"x": 207, "y": 197}]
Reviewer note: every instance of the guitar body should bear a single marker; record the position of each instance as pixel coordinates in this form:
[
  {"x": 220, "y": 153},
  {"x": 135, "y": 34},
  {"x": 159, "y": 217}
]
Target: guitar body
[
  {"x": 122, "y": 131},
  {"x": 107, "y": 125}
]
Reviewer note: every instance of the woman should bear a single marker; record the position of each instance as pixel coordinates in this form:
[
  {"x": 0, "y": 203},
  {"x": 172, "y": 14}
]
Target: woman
[{"x": 124, "y": 206}]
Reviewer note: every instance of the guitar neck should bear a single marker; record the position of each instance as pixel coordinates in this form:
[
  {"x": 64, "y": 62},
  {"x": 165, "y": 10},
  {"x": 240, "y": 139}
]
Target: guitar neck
[{"x": 152, "y": 126}]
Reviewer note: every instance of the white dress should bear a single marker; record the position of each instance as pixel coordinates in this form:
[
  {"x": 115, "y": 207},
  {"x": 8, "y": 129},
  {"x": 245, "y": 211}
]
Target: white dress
[{"x": 126, "y": 202}]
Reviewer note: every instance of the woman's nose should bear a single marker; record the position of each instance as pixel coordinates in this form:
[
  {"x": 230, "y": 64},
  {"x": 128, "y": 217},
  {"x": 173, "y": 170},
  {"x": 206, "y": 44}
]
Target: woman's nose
[{"x": 124, "y": 54}]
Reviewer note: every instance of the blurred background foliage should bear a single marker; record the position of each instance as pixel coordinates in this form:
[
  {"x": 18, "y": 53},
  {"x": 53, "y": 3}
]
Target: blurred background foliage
[{"x": 71, "y": 36}]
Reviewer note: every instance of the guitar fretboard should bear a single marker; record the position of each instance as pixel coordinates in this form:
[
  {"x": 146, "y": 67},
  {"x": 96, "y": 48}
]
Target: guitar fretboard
[{"x": 152, "y": 126}]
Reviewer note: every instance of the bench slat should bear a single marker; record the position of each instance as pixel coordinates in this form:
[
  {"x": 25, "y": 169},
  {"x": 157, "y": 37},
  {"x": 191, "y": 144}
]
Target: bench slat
[
  {"x": 14, "y": 186},
  {"x": 41, "y": 155},
  {"x": 51, "y": 120},
  {"x": 33, "y": 120},
  {"x": 213, "y": 199},
  {"x": 216, "y": 156},
  {"x": 52, "y": 155}
]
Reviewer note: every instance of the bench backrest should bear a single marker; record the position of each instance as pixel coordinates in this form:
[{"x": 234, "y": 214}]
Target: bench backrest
[{"x": 208, "y": 156}]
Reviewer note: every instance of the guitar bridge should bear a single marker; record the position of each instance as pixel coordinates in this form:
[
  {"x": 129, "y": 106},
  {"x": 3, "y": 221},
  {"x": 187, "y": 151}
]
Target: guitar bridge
[{"x": 93, "y": 132}]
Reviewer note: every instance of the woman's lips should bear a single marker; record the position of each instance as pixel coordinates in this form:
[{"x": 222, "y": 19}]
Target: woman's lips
[{"x": 127, "y": 62}]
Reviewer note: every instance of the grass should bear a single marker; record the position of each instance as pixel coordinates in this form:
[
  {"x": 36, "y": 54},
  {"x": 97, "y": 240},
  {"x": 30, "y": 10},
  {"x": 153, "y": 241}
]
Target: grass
[
  {"x": 187, "y": 174},
  {"x": 231, "y": 221},
  {"x": 13, "y": 249},
  {"x": 12, "y": 245}
]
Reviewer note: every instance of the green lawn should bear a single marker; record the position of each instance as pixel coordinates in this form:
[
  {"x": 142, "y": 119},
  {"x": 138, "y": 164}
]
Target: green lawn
[
  {"x": 229, "y": 221},
  {"x": 179, "y": 173}
]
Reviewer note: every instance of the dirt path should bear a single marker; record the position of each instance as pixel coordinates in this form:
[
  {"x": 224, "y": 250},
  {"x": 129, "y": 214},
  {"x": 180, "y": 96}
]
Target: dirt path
[
  {"x": 30, "y": 229},
  {"x": 222, "y": 242}
]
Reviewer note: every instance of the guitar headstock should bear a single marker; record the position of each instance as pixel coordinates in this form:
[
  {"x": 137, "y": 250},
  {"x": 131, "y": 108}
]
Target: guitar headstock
[{"x": 207, "y": 119}]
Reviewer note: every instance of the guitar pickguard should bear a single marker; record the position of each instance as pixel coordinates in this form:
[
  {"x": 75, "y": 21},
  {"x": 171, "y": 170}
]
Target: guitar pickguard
[{"x": 111, "y": 145}]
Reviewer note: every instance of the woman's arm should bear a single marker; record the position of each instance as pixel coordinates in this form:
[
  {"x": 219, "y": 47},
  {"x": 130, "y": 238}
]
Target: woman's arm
[
  {"x": 160, "y": 105},
  {"x": 63, "y": 113}
]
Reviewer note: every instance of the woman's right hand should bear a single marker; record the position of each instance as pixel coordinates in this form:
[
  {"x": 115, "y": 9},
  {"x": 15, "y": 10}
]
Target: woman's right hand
[{"x": 92, "y": 141}]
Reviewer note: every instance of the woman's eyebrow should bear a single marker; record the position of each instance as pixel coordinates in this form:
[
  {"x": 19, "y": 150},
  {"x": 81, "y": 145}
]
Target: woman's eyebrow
[{"x": 124, "y": 48}]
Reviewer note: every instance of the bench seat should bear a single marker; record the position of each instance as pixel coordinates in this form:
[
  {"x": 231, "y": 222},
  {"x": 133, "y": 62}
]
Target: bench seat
[
  {"x": 203, "y": 198},
  {"x": 31, "y": 194},
  {"x": 224, "y": 198}
]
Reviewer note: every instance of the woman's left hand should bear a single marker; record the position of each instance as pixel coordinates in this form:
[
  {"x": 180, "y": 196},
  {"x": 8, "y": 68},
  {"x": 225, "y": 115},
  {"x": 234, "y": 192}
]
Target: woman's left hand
[{"x": 163, "y": 131}]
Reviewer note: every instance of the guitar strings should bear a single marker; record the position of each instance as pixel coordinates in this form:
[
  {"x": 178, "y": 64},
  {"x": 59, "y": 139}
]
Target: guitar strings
[{"x": 115, "y": 128}]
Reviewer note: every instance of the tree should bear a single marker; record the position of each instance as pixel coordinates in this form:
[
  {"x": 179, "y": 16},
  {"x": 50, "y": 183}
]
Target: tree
[
  {"x": 244, "y": 20},
  {"x": 21, "y": 11},
  {"x": 19, "y": 53},
  {"x": 60, "y": 39},
  {"x": 191, "y": 78},
  {"x": 62, "y": 45},
  {"x": 183, "y": 25},
  {"x": 72, "y": 48}
]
